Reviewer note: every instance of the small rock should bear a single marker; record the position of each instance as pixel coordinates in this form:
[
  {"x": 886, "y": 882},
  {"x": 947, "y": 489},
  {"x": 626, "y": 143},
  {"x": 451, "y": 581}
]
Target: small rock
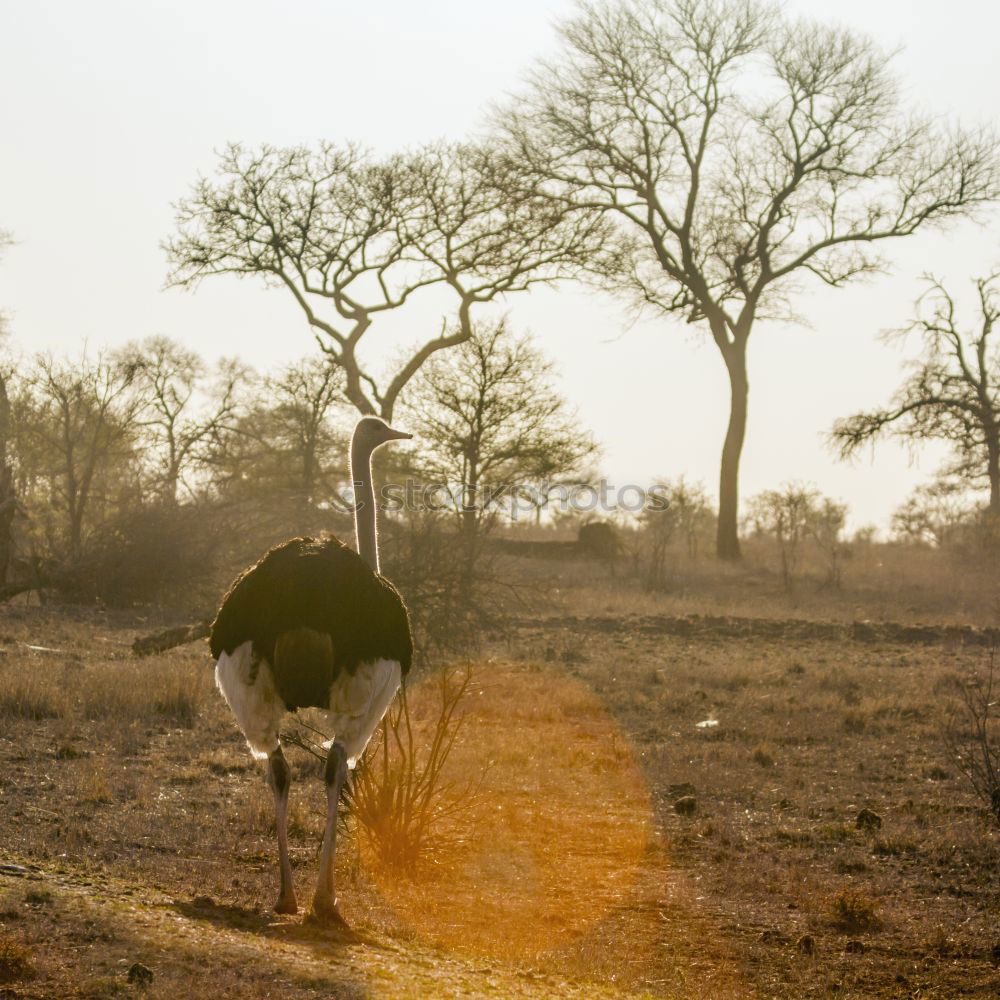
[
  {"x": 855, "y": 947},
  {"x": 684, "y": 788},
  {"x": 868, "y": 821},
  {"x": 687, "y": 805},
  {"x": 806, "y": 944},
  {"x": 140, "y": 975}
]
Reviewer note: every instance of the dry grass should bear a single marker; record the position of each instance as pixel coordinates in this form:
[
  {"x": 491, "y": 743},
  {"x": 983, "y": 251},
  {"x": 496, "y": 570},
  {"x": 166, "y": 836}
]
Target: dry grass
[
  {"x": 571, "y": 875},
  {"x": 34, "y": 696},
  {"x": 880, "y": 583},
  {"x": 167, "y": 692},
  {"x": 120, "y": 692},
  {"x": 554, "y": 840}
]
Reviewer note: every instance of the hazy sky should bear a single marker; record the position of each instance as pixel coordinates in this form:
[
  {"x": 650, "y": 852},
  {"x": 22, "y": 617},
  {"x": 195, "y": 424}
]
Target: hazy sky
[{"x": 111, "y": 109}]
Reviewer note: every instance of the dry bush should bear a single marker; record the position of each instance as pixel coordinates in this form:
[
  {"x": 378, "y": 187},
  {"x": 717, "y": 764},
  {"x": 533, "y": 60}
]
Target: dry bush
[
  {"x": 145, "y": 554},
  {"x": 972, "y": 733},
  {"x": 453, "y": 585},
  {"x": 104, "y": 988},
  {"x": 854, "y": 913},
  {"x": 400, "y": 795},
  {"x": 15, "y": 960},
  {"x": 93, "y": 784},
  {"x": 672, "y": 535},
  {"x": 795, "y": 515},
  {"x": 940, "y": 513}
]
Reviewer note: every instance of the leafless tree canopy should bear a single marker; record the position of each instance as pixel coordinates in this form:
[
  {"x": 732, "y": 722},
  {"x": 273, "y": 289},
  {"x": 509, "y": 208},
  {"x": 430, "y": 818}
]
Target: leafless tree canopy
[
  {"x": 75, "y": 421},
  {"x": 351, "y": 238},
  {"x": 489, "y": 419},
  {"x": 952, "y": 394},
  {"x": 175, "y": 430},
  {"x": 938, "y": 513},
  {"x": 794, "y": 514},
  {"x": 739, "y": 151},
  {"x": 123, "y": 474},
  {"x": 284, "y": 441}
]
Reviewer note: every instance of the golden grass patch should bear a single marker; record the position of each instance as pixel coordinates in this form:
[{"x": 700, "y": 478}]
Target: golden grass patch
[
  {"x": 33, "y": 695},
  {"x": 160, "y": 690},
  {"x": 552, "y": 843}
]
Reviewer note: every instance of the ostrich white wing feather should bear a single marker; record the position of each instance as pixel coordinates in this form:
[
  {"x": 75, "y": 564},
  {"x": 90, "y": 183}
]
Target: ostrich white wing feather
[
  {"x": 248, "y": 687},
  {"x": 358, "y": 702}
]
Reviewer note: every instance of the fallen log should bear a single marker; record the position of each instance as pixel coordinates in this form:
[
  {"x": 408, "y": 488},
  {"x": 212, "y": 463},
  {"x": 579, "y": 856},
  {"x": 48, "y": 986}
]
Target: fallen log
[
  {"x": 14, "y": 589},
  {"x": 159, "y": 642}
]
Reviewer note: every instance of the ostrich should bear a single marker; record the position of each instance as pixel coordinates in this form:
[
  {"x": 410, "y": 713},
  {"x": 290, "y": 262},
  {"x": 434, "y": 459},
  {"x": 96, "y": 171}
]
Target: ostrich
[{"x": 314, "y": 624}]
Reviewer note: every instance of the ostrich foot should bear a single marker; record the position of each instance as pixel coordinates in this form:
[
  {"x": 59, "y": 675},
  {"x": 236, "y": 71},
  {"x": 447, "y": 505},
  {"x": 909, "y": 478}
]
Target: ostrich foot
[
  {"x": 324, "y": 911},
  {"x": 286, "y": 904}
]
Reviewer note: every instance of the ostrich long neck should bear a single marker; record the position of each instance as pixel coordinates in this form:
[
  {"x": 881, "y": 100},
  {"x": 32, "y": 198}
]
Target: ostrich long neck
[{"x": 364, "y": 503}]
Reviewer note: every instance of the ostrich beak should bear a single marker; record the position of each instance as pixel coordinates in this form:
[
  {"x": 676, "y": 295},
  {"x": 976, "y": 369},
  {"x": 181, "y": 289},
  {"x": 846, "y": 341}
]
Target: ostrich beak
[{"x": 395, "y": 435}]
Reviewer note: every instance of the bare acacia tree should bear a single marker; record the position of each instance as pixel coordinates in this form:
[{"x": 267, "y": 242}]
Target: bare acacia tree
[
  {"x": 489, "y": 420},
  {"x": 683, "y": 515},
  {"x": 175, "y": 422},
  {"x": 352, "y": 238},
  {"x": 826, "y": 528},
  {"x": 785, "y": 514},
  {"x": 937, "y": 513},
  {"x": 795, "y": 514},
  {"x": 76, "y": 423},
  {"x": 282, "y": 444},
  {"x": 953, "y": 393},
  {"x": 738, "y": 151},
  {"x": 305, "y": 395}
]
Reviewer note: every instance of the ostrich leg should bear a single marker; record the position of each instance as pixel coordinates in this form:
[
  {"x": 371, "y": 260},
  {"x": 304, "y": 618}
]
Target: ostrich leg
[
  {"x": 279, "y": 777},
  {"x": 325, "y": 900}
]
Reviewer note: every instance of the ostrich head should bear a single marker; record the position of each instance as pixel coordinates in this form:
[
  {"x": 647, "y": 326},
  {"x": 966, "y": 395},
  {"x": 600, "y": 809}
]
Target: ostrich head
[{"x": 373, "y": 432}]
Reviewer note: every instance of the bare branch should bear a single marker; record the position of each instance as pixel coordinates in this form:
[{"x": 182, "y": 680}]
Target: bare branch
[{"x": 952, "y": 394}]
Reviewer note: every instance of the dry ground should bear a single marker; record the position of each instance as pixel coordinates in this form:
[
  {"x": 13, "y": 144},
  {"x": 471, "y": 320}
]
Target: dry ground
[{"x": 134, "y": 827}]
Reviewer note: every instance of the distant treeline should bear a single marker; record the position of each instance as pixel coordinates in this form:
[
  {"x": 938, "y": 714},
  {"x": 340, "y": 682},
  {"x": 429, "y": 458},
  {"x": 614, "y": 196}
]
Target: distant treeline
[{"x": 145, "y": 474}]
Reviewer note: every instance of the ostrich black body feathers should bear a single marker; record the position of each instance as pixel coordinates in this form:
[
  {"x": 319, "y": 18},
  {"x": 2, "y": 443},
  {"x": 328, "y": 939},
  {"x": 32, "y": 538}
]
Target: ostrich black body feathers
[{"x": 313, "y": 608}]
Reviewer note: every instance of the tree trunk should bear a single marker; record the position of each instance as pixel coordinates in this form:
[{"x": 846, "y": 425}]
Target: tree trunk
[
  {"x": 727, "y": 541},
  {"x": 8, "y": 511},
  {"x": 993, "y": 468},
  {"x": 8, "y": 494}
]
